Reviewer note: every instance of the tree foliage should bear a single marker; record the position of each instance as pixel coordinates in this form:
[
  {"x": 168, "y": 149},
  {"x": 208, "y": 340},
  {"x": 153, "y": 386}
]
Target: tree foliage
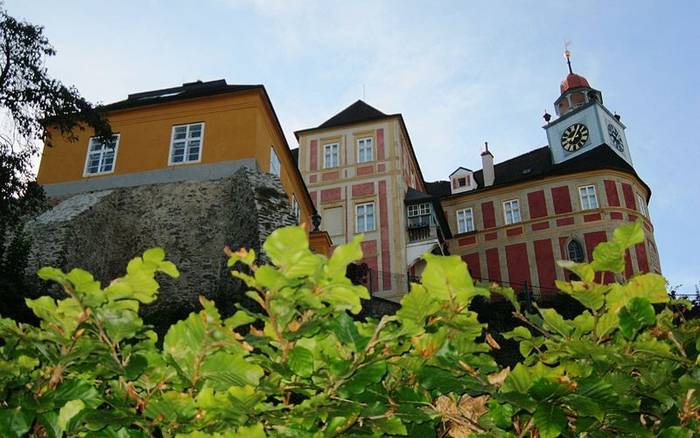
[{"x": 301, "y": 366}]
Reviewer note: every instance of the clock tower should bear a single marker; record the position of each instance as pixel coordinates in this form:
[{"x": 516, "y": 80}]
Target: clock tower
[{"x": 583, "y": 122}]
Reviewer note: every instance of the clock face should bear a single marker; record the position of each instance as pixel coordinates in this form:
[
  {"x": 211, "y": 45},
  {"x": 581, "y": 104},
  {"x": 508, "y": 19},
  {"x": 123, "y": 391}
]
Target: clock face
[
  {"x": 574, "y": 137},
  {"x": 616, "y": 137}
]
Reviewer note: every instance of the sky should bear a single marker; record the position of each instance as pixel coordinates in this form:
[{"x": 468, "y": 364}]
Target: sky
[{"x": 460, "y": 72}]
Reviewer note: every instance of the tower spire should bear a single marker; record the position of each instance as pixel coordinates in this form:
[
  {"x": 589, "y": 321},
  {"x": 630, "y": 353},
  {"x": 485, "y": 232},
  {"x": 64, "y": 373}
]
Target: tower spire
[{"x": 567, "y": 55}]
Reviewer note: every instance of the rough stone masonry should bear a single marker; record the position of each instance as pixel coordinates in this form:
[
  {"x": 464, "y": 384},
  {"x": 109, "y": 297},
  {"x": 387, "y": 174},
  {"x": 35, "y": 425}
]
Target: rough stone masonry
[{"x": 191, "y": 220}]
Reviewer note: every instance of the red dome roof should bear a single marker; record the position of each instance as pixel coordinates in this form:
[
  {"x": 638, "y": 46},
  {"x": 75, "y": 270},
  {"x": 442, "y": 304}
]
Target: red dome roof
[{"x": 573, "y": 81}]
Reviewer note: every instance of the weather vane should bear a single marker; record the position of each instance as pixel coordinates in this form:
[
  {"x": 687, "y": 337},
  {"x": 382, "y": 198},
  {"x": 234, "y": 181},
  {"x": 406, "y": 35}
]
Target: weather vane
[{"x": 567, "y": 55}]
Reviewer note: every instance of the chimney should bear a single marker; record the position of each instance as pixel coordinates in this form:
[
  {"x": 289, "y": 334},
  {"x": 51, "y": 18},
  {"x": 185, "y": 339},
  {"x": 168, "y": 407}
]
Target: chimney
[{"x": 487, "y": 165}]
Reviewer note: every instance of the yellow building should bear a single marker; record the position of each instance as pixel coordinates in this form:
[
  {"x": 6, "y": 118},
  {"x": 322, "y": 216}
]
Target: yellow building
[{"x": 200, "y": 130}]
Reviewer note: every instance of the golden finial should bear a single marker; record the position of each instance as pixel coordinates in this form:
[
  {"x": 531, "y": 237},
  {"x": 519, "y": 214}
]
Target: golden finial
[{"x": 567, "y": 55}]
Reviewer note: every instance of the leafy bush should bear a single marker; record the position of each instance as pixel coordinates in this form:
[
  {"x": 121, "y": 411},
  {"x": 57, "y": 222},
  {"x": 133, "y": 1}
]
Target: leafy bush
[{"x": 301, "y": 366}]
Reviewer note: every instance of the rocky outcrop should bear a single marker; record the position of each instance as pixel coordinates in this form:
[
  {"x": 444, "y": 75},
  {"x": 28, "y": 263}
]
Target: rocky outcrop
[{"x": 191, "y": 220}]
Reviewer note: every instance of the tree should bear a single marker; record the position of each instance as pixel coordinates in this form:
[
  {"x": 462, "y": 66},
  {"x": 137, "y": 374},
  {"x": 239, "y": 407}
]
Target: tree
[{"x": 31, "y": 101}]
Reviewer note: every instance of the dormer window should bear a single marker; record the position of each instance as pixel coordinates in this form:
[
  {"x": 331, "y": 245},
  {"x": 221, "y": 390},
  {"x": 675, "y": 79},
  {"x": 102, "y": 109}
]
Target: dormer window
[{"x": 462, "y": 180}]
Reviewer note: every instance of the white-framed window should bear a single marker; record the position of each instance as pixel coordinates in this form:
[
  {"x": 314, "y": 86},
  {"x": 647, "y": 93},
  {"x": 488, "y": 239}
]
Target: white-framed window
[
  {"x": 275, "y": 166},
  {"x": 101, "y": 156},
  {"x": 588, "y": 197},
  {"x": 330, "y": 155},
  {"x": 418, "y": 209},
  {"x": 186, "y": 143},
  {"x": 465, "y": 220},
  {"x": 642, "y": 205},
  {"x": 575, "y": 251},
  {"x": 365, "y": 150},
  {"x": 463, "y": 181},
  {"x": 511, "y": 211},
  {"x": 364, "y": 217},
  {"x": 295, "y": 209}
]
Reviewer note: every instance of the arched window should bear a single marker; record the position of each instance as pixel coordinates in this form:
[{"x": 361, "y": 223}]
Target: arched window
[{"x": 575, "y": 251}]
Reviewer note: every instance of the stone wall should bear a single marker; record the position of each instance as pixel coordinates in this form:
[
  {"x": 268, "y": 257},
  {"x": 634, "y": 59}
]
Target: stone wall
[{"x": 191, "y": 220}]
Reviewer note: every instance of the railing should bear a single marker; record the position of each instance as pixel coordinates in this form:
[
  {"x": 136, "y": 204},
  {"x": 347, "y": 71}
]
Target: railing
[
  {"x": 420, "y": 234},
  {"x": 418, "y": 221}
]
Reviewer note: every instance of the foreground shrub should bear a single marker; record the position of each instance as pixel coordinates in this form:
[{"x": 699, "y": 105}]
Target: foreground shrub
[{"x": 301, "y": 366}]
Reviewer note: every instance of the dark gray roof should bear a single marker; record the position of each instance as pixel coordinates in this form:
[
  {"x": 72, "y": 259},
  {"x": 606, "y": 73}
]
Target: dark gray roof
[
  {"x": 295, "y": 155},
  {"x": 355, "y": 113},
  {"x": 188, "y": 90},
  {"x": 413, "y": 195},
  {"x": 538, "y": 164}
]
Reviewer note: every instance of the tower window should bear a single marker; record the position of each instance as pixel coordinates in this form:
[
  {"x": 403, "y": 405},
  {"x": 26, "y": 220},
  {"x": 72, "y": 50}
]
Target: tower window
[
  {"x": 364, "y": 150},
  {"x": 101, "y": 156},
  {"x": 330, "y": 155},
  {"x": 511, "y": 211},
  {"x": 275, "y": 166},
  {"x": 465, "y": 220},
  {"x": 575, "y": 251},
  {"x": 588, "y": 197},
  {"x": 364, "y": 217},
  {"x": 642, "y": 205},
  {"x": 186, "y": 143}
]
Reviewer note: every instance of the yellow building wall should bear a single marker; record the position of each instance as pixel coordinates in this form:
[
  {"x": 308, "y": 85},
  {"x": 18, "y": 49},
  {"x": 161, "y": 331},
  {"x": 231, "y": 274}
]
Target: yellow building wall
[{"x": 236, "y": 126}]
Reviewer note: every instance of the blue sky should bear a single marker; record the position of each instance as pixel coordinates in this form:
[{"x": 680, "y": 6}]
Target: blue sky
[{"x": 460, "y": 72}]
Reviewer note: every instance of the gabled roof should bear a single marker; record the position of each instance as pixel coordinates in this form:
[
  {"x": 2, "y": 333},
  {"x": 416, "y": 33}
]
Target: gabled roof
[
  {"x": 358, "y": 112},
  {"x": 538, "y": 164},
  {"x": 188, "y": 90},
  {"x": 460, "y": 168}
]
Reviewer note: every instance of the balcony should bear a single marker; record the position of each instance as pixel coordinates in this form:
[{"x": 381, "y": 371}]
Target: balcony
[{"x": 419, "y": 221}]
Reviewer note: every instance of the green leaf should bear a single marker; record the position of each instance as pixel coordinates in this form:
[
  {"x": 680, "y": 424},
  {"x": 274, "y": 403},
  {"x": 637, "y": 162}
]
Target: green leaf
[
  {"x": 301, "y": 361},
  {"x": 83, "y": 282},
  {"x": 629, "y": 234},
  {"x": 345, "y": 296},
  {"x": 154, "y": 255},
  {"x": 364, "y": 377},
  {"x": 391, "y": 426},
  {"x": 447, "y": 278},
  {"x": 500, "y": 414},
  {"x": 345, "y": 330},
  {"x": 550, "y": 420},
  {"x": 519, "y": 333},
  {"x": 68, "y": 412},
  {"x": 416, "y": 305},
  {"x": 52, "y": 274},
  {"x": 637, "y": 314},
  {"x": 608, "y": 256},
  {"x": 221, "y": 370},
  {"x": 589, "y": 294},
  {"x": 287, "y": 246},
  {"x": 15, "y": 422},
  {"x": 342, "y": 256},
  {"x": 553, "y": 321},
  {"x": 136, "y": 366},
  {"x": 584, "y": 271},
  {"x": 238, "y": 319},
  {"x": 120, "y": 319}
]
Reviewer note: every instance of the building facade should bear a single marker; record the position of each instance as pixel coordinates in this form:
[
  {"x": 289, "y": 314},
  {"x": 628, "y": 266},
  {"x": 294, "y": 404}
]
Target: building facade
[
  {"x": 511, "y": 221},
  {"x": 197, "y": 131},
  {"x": 364, "y": 178}
]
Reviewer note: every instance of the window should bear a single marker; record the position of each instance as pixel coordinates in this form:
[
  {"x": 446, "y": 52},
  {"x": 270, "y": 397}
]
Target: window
[
  {"x": 295, "y": 209},
  {"x": 511, "y": 211},
  {"x": 642, "y": 205},
  {"x": 588, "y": 197},
  {"x": 364, "y": 150},
  {"x": 275, "y": 167},
  {"x": 465, "y": 220},
  {"x": 101, "y": 156},
  {"x": 330, "y": 155},
  {"x": 462, "y": 182},
  {"x": 418, "y": 210},
  {"x": 575, "y": 251},
  {"x": 186, "y": 143},
  {"x": 364, "y": 217}
]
